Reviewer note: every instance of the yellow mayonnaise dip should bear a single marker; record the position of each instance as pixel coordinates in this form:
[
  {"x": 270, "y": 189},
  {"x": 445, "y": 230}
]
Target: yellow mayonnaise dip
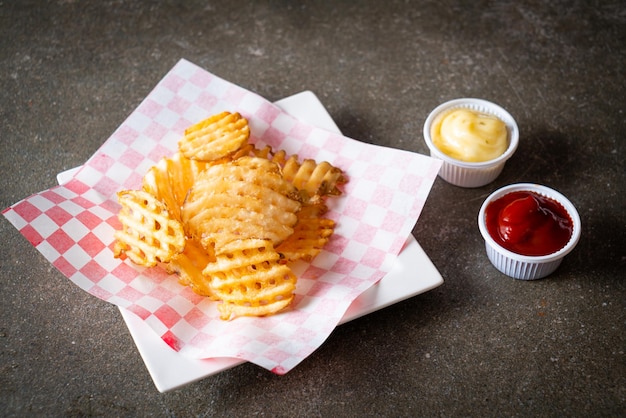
[{"x": 469, "y": 136}]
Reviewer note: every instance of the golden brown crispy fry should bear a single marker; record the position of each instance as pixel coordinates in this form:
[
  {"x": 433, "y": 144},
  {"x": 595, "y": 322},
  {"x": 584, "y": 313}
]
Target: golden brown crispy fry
[
  {"x": 250, "y": 279},
  {"x": 189, "y": 264},
  {"x": 170, "y": 179},
  {"x": 215, "y": 137},
  {"x": 312, "y": 179},
  {"x": 182, "y": 173},
  {"x": 149, "y": 234},
  {"x": 316, "y": 179},
  {"x": 310, "y": 234},
  {"x": 245, "y": 198}
]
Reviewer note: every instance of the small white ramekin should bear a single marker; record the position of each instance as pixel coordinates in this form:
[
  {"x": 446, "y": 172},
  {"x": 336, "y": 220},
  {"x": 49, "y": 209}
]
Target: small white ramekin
[
  {"x": 467, "y": 174},
  {"x": 525, "y": 267}
]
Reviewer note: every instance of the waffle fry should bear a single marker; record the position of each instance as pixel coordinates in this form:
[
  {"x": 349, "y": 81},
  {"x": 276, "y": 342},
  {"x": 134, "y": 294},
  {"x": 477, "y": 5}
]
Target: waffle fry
[
  {"x": 215, "y": 137},
  {"x": 149, "y": 235},
  {"x": 312, "y": 179},
  {"x": 157, "y": 182},
  {"x": 246, "y": 198},
  {"x": 310, "y": 234},
  {"x": 250, "y": 280},
  {"x": 188, "y": 266},
  {"x": 170, "y": 180}
]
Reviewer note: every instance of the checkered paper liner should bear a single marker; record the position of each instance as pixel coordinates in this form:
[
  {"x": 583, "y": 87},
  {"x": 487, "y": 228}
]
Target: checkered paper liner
[{"x": 72, "y": 225}]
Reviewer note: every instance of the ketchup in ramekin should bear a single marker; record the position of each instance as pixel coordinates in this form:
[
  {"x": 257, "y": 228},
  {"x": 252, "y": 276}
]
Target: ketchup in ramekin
[{"x": 528, "y": 223}]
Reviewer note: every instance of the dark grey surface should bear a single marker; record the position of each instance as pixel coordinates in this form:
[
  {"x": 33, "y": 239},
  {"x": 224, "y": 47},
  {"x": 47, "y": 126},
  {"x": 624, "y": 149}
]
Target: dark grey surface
[{"x": 480, "y": 345}]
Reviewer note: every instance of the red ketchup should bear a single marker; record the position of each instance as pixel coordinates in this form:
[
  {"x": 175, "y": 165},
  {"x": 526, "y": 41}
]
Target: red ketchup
[{"x": 528, "y": 223}]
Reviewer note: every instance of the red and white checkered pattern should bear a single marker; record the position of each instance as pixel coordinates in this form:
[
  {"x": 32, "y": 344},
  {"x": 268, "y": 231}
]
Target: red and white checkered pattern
[{"x": 72, "y": 225}]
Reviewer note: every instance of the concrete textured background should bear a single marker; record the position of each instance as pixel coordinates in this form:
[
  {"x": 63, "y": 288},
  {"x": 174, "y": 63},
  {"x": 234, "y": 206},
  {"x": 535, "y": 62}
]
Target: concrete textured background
[{"x": 481, "y": 344}]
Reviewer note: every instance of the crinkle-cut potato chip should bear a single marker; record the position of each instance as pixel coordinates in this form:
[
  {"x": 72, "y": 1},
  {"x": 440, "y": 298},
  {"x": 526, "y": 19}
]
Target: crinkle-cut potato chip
[
  {"x": 149, "y": 235},
  {"x": 170, "y": 180},
  {"x": 310, "y": 234},
  {"x": 245, "y": 198},
  {"x": 250, "y": 279},
  {"x": 188, "y": 266},
  {"x": 215, "y": 137}
]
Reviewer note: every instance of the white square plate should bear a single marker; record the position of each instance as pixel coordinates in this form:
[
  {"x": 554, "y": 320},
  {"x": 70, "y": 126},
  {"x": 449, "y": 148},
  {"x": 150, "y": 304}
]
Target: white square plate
[{"x": 412, "y": 274}]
